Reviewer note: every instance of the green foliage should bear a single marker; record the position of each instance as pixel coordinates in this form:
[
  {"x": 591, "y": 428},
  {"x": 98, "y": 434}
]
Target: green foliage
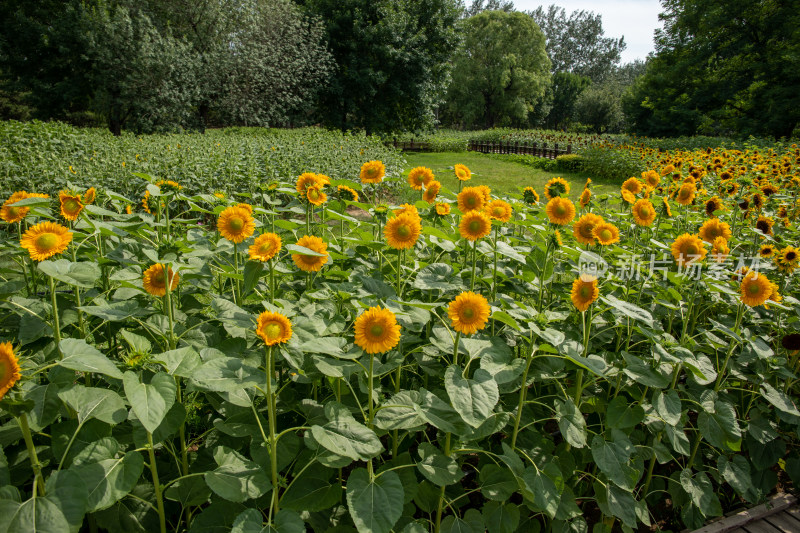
[
  {"x": 612, "y": 164},
  {"x": 569, "y": 163}
]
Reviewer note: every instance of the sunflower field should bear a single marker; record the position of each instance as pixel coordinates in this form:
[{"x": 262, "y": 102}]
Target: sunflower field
[{"x": 299, "y": 354}]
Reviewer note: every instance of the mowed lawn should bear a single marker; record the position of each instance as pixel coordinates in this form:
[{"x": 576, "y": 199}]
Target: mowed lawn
[{"x": 503, "y": 177}]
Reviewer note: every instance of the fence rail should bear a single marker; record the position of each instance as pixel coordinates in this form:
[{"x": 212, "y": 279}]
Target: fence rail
[{"x": 524, "y": 148}]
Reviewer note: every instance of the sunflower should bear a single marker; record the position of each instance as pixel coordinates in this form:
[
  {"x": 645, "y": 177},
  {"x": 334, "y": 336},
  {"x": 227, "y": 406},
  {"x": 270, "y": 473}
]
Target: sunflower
[
  {"x": 323, "y": 180},
  {"x": 431, "y": 191},
  {"x": 9, "y": 368},
  {"x": 71, "y": 205},
  {"x": 688, "y": 249},
  {"x": 586, "y": 196},
  {"x": 588, "y": 182},
  {"x": 530, "y": 196},
  {"x": 666, "y": 210},
  {"x": 372, "y": 172},
  {"x": 347, "y": 193},
  {"x": 471, "y": 199},
  {"x": 720, "y": 249},
  {"x": 246, "y": 207},
  {"x": 442, "y": 209},
  {"x": 584, "y": 292},
  {"x": 499, "y": 210},
  {"x": 377, "y": 330},
  {"x": 486, "y": 191},
  {"x": 643, "y": 212},
  {"x": 403, "y": 231},
  {"x": 556, "y": 240},
  {"x": 764, "y": 225},
  {"x": 634, "y": 185},
  {"x": 419, "y": 177},
  {"x": 685, "y": 195},
  {"x": 729, "y": 187},
  {"x": 45, "y": 239},
  {"x": 89, "y": 196},
  {"x": 766, "y": 251},
  {"x": 462, "y": 172},
  {"x": 755, "y": 289},
  {"x": 556, "y": 187},
  {"x": 606, "y": 233},
  {"x": 560, "y": 210},
  {"x": 128, "y": 209},
  {"x": 273, "y": 328},
  {"x": 474, "y": 225},
  {"x": 774, "y": 295},
  {"x": 315, "y": 196},
  {"x": 582, "y": 229},
  {"x": 651, "y": 179},
  {"x": 169, "y": 186},
  {"x": 12, "y": 214},
  {"x": 407, "y": 208},
  {"x": 306, "y": 180},
  {"x": 667, "y": 170},
  {"x": 236, "y": 224},
  {"x": 758, "y": 201},
  {"x": 714, "y": 204},
  {"x": 713, "y": 228},
  {"x": 791, "y": 342},
  {"x": 787, "y": 259},
  {"x": 155, "y": 283},
  {"x": 311, "y": 263},
  {"x": 265, "y": 247},
  {"x": 769, "y": 189},
  {"x": 628, "y": 196},
  {"x": 469, "y": 312}
]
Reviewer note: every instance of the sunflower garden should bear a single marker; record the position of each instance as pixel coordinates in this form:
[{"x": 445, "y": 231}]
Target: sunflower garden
[{"x": 297, "y": 352}]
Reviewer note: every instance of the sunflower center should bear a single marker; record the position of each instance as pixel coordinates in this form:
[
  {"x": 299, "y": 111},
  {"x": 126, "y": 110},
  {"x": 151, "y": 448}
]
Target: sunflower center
[
  {"x": 272, "y": 330},
  {"x": 471, "y": 201},
  {"x": 586, "y": 230},
  {"x": 13, "y": 212},
  {"x": 791, "y": 256},
  {"x": 71, "y": 205},
  {"x": 644, "y": 212},
  {"x": 266, "y": 247},
  {"x": 584, "y": 291},
  {"x": 47, "y": 241},
  {"x": 236, "y": 224},
  {"x": 376, "y": 330},
  {"x": 606, "y": 234},
  {"x": 313, "y": 194},
  {"x": 691, "y": 249},
  {"x": 753, "y": 288},
  {"x": 158, "y": 277},
  {"x": 468, "y": 313},
  {"x": 475, "y": 226},
  {"x": 403, "y": 231},
  {"x": 560, "y": 210},
  {"x": 498, "y": 211}
]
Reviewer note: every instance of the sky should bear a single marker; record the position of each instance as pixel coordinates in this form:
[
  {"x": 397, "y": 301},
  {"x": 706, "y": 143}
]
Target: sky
[{"x": 636, "y": 20}]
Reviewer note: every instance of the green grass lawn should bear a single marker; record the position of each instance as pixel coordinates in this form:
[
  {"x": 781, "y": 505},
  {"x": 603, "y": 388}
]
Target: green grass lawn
[{"x": 501, "y": 176}]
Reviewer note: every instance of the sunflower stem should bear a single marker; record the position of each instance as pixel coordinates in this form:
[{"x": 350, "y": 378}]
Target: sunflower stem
[
  {"x": 440, "y": 507},
  {"x": 272, "y": 280},
  {"x": 308, "y": 218},
  {"x": 723, "y": 368},
  {"x": 168, "y": 304},
  {"x": 455, "y": 348},
  {"x": 236, "y": 295},
  {"x": 523, "y": 392},
  {"x": 399, "y": 274},
  {"x": 34, "y": 458},
  {"x": 494, "y": 271},
  {"x": 56, "y": 322},
  {"x": 371, "y": 406},
  {"x": 474, "y": 260},
  {"x": 541, "y": 277},
  {"x": 273, "y": 439},
  {"x": 162, "y": 518}
]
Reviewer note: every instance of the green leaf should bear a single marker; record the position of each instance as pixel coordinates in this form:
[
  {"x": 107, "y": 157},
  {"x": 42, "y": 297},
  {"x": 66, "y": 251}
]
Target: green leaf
[
  {"x": 437, "y": 276},
  {"x": 474, "y": 399},
  {"x": 302, "y": 250},
  {"x": 181, "y": 362},
  {"x": 375, "y": 504},
  {"x": 497, "y": 483},
  {"x": 325, "y": 345},
  {"x": 226, "y": 374},
  {"x": 438, "y": 468},
  {"x": 92, "y": 402},
  {"x": 643, "y": 373},
  {"x": 114, "y": 311},
  {"x": 111, "y": 479},
  {"x": 736, "y": 472},
  {"x": 286, "y": 521},
  {"x": 344, "y": 436},
  {"x": 236, "y": 479},
  {"x": 68, "y": 491},
  {"x": 668, "y": 406},
  {"x": 38, "y": 515},
  {"x": 506, "y": 319},
  {"x": 628, "y": 309},
  {"x": 620, "y": 414},
  {"x": 150, "y": 402},
  {"x": 779, "y": 399},
  {"x": 571, "y": 423},
  {"x": 189, "y": 491},
  {"x": 438, "y": 413},
  {"x": 78, "y": 355},
  {"x": 312, "y": 491},
  {"x": 399, "y": 413},
  {"x": 613, "y": 457},
  {"x": 500, "y": 518},
  {"x": 540, "y": 489},
  {"x": 719, "y": 426},
  {"x": 620, "y": 503},
  {"x": 701, "y": 491},
  {"x": 253, "y": 270},
  {"x": 83, "y": 274}
]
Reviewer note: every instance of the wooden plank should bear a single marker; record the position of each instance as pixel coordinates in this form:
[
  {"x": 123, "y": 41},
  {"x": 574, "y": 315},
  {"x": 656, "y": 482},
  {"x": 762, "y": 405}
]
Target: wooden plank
[
  {"x": 729, "y": 524},
  {"x": 784, "y": 522},
  {"x": 761, "y": 526}
]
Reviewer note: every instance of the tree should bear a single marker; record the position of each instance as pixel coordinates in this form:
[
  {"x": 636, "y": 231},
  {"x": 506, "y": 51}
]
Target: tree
[
  {"x": 501, "y": 72},
  {"x": 721, "y": 66},
  {"x": 478, "y": 6},
  {"x": 562, "y": 94},
  {"x": 393, "y": 61}
]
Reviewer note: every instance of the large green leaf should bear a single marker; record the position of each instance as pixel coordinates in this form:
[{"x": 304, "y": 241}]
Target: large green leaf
[
  {"x": 701, "y": 491},
  {"x": 68, "y": 491},
  {"x": 109, "y": 480},
  {"x": 78, "y": 355},
  {"x": 500, "y": 518},
  {"x": 542, "y": 491},
  {"x": 343, "y": 435},
  {"x": 571, "y": 423},
  {"x": 312, "y": 491},
  {"x": 38, "y": 515},
  {"x": 226, "y": 374},
  {"x": 93, "y": 402},
  {"x": 779, "y": 399},
  {"x": 620, "y": 414},
  {"x": 398, "y": 412},
  {"x": 474, "y": 399},
  {"x": 718, "y": 425},
  {"x": 736, "y": 472},
  {"x": 181, "y": 362},
  {"x": 83, "y": 274},
  {"x": 114, "y": 311},
  {"x": 439, "y": 413},
  {"x": 613, "y": 459},
  {"x": 618, "y": 502},
  {"x": 668, "y": 406},
  {"x": 150, "y": 401},
  {"x": 497, "y": 483},
  {"x": 236, "y": 479},
  {"x": 375, "y": 504},
  {"x": 437, "y": 467}
]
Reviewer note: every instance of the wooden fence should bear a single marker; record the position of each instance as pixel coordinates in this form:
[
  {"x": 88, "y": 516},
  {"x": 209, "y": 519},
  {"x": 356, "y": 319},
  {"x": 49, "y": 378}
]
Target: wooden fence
[{"x": 525, "y": 148}]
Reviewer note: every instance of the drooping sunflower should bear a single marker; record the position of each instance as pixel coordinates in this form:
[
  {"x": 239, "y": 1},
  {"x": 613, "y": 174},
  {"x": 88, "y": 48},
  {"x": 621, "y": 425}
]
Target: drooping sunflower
[
  {"x": 9, "y": 213},
  {"x": 323, "y": 180},
  {"x": 462, "y": 172},
  {"x": 431, "y": 191},
  {"x": 419, "y": 177},
  {"x": 714, "y": 204},
  {"x": 9, "y": 368},
  {"x": 688, "y": 249},
  {"x": 265, "y": 247},
  {"x": 372, "y": 172},
  {"x": 585, "y": 198},
  {"x": 769, "y": 189},
  {"x": 236, "y": 224},
  {"x": 273, "y": 328},
  {"x": 246, "y": 207},
  {"x": 556, "y": 187},
  {"x": 754, "y": 289},
  {"x": 474, "y": 225},
  {"x": 402, "y": 231},
  {"x": 628, "y": 196},
  {"x": 666, "y": 210},
  {"x": 764, "y": 225},
  {"x": 315, "y": 196},
  {"x": 758, "y": 201},
  {"x": 713, "y": 228},
  {"x": 486, "y": 191},
  {"x": 556, "y": 240},
  {"x": 45, "y": 240},
  {"x": 584, "y": 292},
  {"x": 530, "y": 196},
  {"x": 71, "y": 205},
  {"x": 560, "y": 210},
  {"x": 787, "y": 259},
  {"x": 499, "y": 210},
  {"x": 442, "y": 209},
  {"x": 155, "y": 282},
  {"x": 306, "y": 180},
  {"x": 774, "y": 295},
  {"x": 685, "y": 195},
  {"x": 606, "y": 233},
  {"x": 582, "y": 229},
  {"x": 720, "y": 249},
  {"x": 469, "y": 312},
  {"x": 643, "y": 212},
  {"x": 470, "y": 199},
  {"x": 377, "y": 330},
  {"x": 311, "y": 263},
  {"x": 632, "y": 184},
  {"x": 89, "y": 196},
  {"x": 347, "y": 193},
  {"x": 766, "y": 251}
]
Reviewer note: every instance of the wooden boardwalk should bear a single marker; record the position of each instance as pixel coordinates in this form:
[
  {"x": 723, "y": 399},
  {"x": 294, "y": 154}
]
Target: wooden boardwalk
[{"x": 779, "y": 515}]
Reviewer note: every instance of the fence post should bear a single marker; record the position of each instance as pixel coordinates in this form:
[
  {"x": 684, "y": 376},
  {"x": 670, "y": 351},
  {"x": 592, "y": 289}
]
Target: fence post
[
  {"x": 569, "y": 148},
  {"x": 555, "y": 152}
]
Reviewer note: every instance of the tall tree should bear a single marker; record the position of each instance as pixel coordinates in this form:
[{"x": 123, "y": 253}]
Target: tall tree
[
  {"x": 478, "y": 6},
  {"x": 393, "y": 61},
  {"x": 501, "y": 72}
]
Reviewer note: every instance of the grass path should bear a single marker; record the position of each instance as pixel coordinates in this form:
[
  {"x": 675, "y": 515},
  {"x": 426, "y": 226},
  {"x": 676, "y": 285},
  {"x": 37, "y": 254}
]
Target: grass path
[{"x": 501, "y": 176}]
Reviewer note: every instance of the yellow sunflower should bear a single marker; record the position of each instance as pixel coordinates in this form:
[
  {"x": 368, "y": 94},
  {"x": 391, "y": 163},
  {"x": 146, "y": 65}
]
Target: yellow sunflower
[
  {"x": 556, "y": 187},
  {"x": 407, "y": 208},
  {"x": 9, "y": 368},
  {"x": 372, "y": 172},
  {"x": 755, "y": 289},
  {"x": 764, "y": 225},
  {"x": 651, "y": 179},
  {"x": 720, "y": 249},
  {"x": 9, "y": 213},
  {"x": 315, "y": 196},
  {"x": 643, "y": 212},
  {"x": 486, "y": 191},
  {"x": 560, "y": 210},
  {"x": 582, "y": 229},
  {"x": 469, "y": 312},
  {"x": 499, "y": 210},
  {"x": 45, "y": 240},
  {"x": 766, "y": 251},
  {"x": 530, "y": 196},
  {"x": 236, "y": 224},
  {"x": 667, "y": 170},
  {"x": 586, "y": 196},
  {"x": 273, "y": 328},
  {"x": 71, "y": 205},
  {"x": 470, "y": 199},
  {"x": 474, "y": 225},
  {"x": 306, "y": 180},
  {"x": 713, "y": 228},
  {"x": 155, "y": 282},
  {"x": 634, "y": 185},
  {"x": 584, "y": 292},
  {"x": 442, "y": 209},
  {"x": 606, "y": 233},
  {"x": 462, "y": 172},
  {"x": 686, "y": 194},
  {"x": 89, "y": 196},
  {"x": 323, "y": 180},
  {"x": 419, "y": 177},
  {"x": 666, "y": 209},
  {"x": 377, "y": 330},
  {"x": 311, "y": 263},
  {"x": 787, "y": 259},
  {"x": 347, "y": 193},
  {"x": 688, "y": 249},
  {"x": 402, "y": 231},
  {"x": 431, "y": 191},
  {"x": 628, "y": 196},
  {"x": 265, "y": 247},
  {"x": 713, "y": 205}
]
